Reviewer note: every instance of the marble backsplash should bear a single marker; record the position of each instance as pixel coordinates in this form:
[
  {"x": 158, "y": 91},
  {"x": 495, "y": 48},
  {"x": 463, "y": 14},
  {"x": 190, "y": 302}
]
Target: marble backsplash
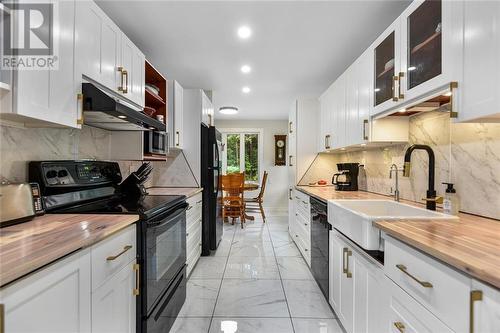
[
  {"x": 467, "y": 155},
  {"x": 20, "y": 145}
]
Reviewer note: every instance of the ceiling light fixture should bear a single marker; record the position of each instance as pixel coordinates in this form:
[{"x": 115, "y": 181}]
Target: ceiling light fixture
[
  {"x": 246, "y": 69},
  {"x": 448, "y": 94},
  {"x": 377, "y": 89},
  {"x": 245, "y": 90},
  {"x": 244, "y": 32},
  {"x": 122, "y": 117},
  {"x": 228, "y": 110},
  {"x": 411, "y": 68},
  {"x": 403, "y": 110}
]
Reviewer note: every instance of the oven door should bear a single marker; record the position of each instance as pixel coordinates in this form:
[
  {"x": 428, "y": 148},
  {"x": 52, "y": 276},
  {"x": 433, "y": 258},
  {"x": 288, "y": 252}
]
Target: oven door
[{"x": 164, "y": 253}]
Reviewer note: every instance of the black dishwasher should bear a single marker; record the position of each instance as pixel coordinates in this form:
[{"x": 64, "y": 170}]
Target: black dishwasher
[{"x": 320, "y": 232}]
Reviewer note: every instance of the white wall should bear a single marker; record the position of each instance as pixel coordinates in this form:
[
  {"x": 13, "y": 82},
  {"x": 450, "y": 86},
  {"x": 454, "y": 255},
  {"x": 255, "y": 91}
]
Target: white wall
[{"x": 275, "y": 197}]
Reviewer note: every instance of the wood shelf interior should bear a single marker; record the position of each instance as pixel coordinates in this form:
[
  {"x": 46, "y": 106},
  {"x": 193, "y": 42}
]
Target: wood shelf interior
[
  {"x": 426, "y": 42},
  {"x": 159, "y": 103},
  {"x": 154, "y": 157}
]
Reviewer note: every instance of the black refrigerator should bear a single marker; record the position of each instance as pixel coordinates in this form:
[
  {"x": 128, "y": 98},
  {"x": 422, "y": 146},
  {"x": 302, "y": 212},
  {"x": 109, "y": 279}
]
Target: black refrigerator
[{"x": 211, "y": 165}]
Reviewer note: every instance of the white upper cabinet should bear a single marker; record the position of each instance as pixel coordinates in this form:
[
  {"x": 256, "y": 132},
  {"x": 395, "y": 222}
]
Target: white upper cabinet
[
  {"x": 207, "y": 116},
  {"x": 48, "y": 95},
  {"x": 480, "y": 91},
  {"x": 175, "y": 113},
  {"x": 107, "y": 56},
  {"x": 418, "y": 55}
]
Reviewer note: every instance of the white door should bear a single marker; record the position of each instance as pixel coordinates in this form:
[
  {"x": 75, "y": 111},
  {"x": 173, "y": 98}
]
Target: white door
[
  {"x": 346, "y": 312},
  {"x": 114, "y": 304},
  {"x": 431, "y": 46},
  {"x": 480, "y": 89},
  {"x": 353, "y": 134},
  {"x": 56, "y": 299},
  {"x": 206, "y": 107},
  {"x": 365, "y": 84},
  {"x": 338, "y": 113},
  {"x": 386, "y": 68},
  {"x": 485, "y": 309},
  {"x": 178, "y": 114},
  {"x": 51, "y": 95},
  {"x": 88, "y": 18},
  {"x": 335, "y": 266},
  {"x": 138, "y": 77},
  {"x": 127, "y": 64},
  {"x": 110, "y": 54}
]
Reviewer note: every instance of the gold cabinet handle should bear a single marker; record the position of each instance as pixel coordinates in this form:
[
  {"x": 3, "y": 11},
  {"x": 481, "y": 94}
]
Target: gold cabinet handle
[
  {"x": 400, "y": 76},
  {"x": 136, "y": 291},
  {"x": 400, "y": 326},
  {"x": 125, "y": 89},
  {"x": 453, "y": 112},
  {"x": 290, "y": 160},
  {"x": 120, "y": 69},
  {"x": 475, "y": 295},
  {"x": 327, "y": 141},
  {"x": 344, "y": 252},
  {"x": 290, "y": 127},
  {"x": 365, "y": 135},
  {"x": 395, "y": 94},
  {"x": 424, "y": 284},
  {"x": 2, "y": 318},
  {"x": 348, "y": 274},
  {"x": 125, "y": 249},
  {"x": 79, "y": 98},
  {"x": 177, "y": 137},
  {"x": 290, "y": 194}
]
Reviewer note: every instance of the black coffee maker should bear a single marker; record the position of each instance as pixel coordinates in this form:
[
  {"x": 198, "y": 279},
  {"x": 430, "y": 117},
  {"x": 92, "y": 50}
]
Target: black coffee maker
[{"x": 347, "y": 177}]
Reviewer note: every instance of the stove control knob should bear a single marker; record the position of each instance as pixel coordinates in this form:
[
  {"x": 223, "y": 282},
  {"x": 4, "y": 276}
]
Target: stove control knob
[
  {"x": 51, "y": 174},
  {"x": 62, "y": 173}
]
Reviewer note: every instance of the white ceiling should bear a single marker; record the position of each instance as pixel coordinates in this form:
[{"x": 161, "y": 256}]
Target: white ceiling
[{"x": 296, "y": 50}]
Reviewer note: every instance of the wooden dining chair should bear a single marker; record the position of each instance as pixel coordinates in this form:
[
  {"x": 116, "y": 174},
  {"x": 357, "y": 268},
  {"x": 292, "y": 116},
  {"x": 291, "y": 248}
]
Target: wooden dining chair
[
  {"x": 255, "y": 204},
  {"x": 233, "y": 204}
]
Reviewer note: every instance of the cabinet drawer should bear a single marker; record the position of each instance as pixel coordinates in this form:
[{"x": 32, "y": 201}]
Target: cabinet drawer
[
  {"x": 304, "y": 250},
  {"x": 193, "y": 239},
  {"x": 192, "y": 259},
  {"x": 407, "y": 315},
  {"x": 440, "y": 289},
  {"x": 303, "y": 228},
  {"x": 112, "y": 254}
]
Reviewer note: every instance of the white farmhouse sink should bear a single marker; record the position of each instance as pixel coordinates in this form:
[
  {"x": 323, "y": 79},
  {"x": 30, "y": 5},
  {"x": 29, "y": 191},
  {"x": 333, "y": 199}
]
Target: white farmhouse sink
[{"x": 354, "y": 218}]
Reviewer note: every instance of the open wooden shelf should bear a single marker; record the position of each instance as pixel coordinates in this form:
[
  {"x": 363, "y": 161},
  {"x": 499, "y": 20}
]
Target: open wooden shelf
[
  {"x": 426, "y": 42},
  {"x": 153, "y": 100},
  {"x": 154, "y": 157}
]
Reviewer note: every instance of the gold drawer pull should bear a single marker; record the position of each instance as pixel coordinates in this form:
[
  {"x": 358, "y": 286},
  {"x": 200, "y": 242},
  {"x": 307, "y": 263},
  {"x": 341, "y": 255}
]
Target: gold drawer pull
[
  {"x": 424, "y": 284},
  {"x": 400, "y": 326},
  {"x": 475, "y": 295},
  {"x": 125, "y": 249},
  {"x": 135, "y": 291}
]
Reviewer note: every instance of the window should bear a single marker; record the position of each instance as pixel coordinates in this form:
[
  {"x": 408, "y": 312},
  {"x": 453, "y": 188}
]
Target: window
[{"x": 243, "y": 152}]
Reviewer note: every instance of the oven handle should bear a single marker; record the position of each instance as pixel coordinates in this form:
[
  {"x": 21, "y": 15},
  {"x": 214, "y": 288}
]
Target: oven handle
[{"x": 161, "y": 221}]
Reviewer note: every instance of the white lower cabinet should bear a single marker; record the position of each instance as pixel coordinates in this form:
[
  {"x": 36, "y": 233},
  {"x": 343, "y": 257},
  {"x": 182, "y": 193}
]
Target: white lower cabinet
[
  {"x": 55, "y": 299},
  {"x": 485, "y": 308},
  {"x": 193, "y": 231},
  {"x": 300, "y": 224},
  {"x": 357, "y": 288},
  {"x": 64, "y": 298},
  {"x": 113, "y": 303}
]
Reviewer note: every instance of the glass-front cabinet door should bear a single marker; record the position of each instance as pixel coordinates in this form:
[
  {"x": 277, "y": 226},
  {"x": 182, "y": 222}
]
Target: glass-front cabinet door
[
  {"x": 386, "y": 56},
  {"x": 430, "y": 40}
]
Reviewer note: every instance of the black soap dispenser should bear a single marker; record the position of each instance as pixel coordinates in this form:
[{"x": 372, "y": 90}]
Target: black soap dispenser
[{"x": 451, "y": 202}]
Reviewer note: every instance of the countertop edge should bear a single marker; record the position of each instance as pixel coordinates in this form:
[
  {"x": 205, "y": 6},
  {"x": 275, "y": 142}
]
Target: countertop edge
[
  {"x": 191, "y": 191},
  {"x": 25, "y": 272}
]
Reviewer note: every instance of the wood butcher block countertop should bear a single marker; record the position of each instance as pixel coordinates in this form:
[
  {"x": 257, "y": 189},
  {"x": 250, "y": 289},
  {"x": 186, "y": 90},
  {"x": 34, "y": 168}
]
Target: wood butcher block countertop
[
  {"x": 471, "y": 244},
  {"x": 187, "y": 191},
  {"x": 29, "y": 246}
]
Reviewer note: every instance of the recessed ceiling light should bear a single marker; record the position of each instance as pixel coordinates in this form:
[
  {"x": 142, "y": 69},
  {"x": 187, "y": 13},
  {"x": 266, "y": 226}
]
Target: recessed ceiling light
[
  {"x": 245, "y": 90},
  {"x": 244, "y": 32},
  {"x": 448, "y": 94},
  {"x": 411, "y": 68},
  {"x": 122, "y": 117},
  {"x": 228, "y": 110},
  {"x": 363, "y": 144},
  {"x": 377, "y": 89},
  {"x": 246, "y": 69},
  {"x": 403, "y": 110}
]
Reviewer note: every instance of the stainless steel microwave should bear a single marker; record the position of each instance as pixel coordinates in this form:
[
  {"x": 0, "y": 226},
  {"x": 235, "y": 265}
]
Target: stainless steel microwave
[{"x": 155, "y": 142}]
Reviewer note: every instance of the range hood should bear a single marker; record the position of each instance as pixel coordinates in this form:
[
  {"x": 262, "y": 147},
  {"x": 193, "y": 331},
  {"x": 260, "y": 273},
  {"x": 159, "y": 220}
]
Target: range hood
[{"x": 106, "y": 111}]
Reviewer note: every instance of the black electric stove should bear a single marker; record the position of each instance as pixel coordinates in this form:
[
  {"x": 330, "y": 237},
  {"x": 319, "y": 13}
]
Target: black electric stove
[{"x": 96, "y": 187}]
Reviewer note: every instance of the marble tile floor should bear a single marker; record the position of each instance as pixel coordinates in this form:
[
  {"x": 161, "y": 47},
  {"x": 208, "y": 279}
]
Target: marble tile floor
[{"x": 256, "y": 282}]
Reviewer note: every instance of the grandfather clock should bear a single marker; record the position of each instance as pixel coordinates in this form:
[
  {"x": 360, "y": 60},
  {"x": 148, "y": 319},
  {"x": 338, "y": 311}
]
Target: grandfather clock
[{"x": 280, "y": 150}]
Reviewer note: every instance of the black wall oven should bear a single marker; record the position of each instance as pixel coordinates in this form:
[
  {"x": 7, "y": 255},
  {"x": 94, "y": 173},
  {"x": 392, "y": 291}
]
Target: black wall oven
[
  {"x": 162, "y": 252},
  {"x": 320, "y": 233}
]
